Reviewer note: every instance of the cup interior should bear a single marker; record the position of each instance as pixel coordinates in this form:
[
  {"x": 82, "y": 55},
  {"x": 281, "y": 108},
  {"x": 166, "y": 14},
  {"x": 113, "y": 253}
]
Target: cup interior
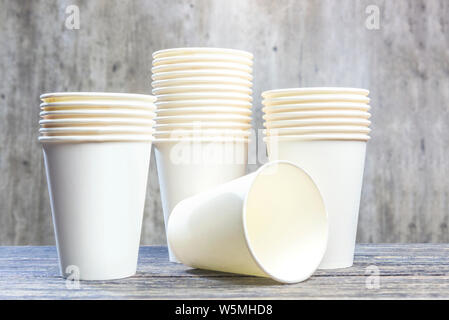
[
  {"x": 192, "y": 51},
  {"x": 68, "y": 96},
  {"x": 287, "y": 232}
]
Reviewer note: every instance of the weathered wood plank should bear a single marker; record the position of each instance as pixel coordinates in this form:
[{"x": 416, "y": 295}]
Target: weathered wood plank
[{"x": 415, "y": 271}]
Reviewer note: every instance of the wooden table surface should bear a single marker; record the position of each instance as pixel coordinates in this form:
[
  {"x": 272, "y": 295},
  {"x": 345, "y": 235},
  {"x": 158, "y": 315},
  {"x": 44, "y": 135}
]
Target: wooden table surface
[{"x": 406, "y": 271}]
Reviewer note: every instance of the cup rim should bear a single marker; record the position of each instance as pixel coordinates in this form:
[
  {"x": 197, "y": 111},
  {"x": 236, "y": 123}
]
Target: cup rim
[
  {"x": 314, "y": 90},
  {"x": 113, "y": 95},
  {"x": 204, "y": 132},
  {"x": 202, "y": 57},
  {"x": 316, "y": 106},
  {"x": 245, "y": 227},
  {"x": 203, "y": 102},
  {"x": 202, "y": 88},
  {"x": 205, "y": 125},
  {"x": 316, "y": 114},
  {"x": 98, "y": 129},
  {"x": 319, "y": 129},
  {"x": 204, "y": 95},
  {"x": 288, "y": 123},
  {"x": 206, "y": 110},
  {"x": 191, "y": 118},
  {"x": 316, "y": 98},
  {"x": 98, "y": 104},
  {"x": 109, "y": 121},
  {"x": 99, "y": 112},
  {"x": 316, "y": 137},
  {"x": 205, "y": 139},
  {"x": 203, "y": 80},
  {"x": 198, "y": 65},
  {"x": 199, "y": 50},
  {"x": 96, "y": 138},
  {"x": 201, "y": 72}
]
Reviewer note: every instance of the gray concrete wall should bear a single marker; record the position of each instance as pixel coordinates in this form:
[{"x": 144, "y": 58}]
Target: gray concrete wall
[{"x": 405, "y": 64}]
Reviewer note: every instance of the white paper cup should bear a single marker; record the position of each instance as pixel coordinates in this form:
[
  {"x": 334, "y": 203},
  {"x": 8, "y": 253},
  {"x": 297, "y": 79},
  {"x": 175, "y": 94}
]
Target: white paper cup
[
  {"x": 337, "y": 168},
  {"x": 204, "y": 95},
  {"x": 316, "y": 114},
  {"x": 205, "y": 88},
  {"x": 77, "y": 122},
  {"x": 117, "y": 130},
  {"x": 203, "y": 125},
  {"x": 317, "y": 122},
  {"x": 204, "y": 103},
  {"x": 97, "y": 193},
  {"x": 67, "y": 96},
  {"x": 203, "y": 58},
  {"x": 88, "y": 113},
  {"x": 317, "y": 130},
  {"x": 201, "y": 65},
  {"x": 211, "y": 117},
  {"x": 98, "y": 104},
  {"x": 271, "y": 223},
  {"x": 312, "y": 91},
  {"x": 193, "y": 51},
  {"x": 202, "y": 73},
  {"x": 316, "y": 98},
  {"x": 316, "y": 107},
  {"x": 211, "y": 80},
  {"x": 191, "y": 166},
  {"x": 203, "y": 110}
]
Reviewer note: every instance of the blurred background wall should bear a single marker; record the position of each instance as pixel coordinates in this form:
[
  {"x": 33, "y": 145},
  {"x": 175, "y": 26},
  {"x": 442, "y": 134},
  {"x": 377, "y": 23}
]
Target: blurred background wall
[{"x": 404, "y": 63}]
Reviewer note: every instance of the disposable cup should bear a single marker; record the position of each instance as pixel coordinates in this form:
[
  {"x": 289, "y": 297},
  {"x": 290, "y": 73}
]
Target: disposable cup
[
  {"x": 316, "y": 107},
  {"x": 204, "y": 103},
  {"x": 193, "y": 51},
  {"x": 202, "y": 73},
  {"x": 189, "y": 166},
  {"x": 316, "y": 114},
  {"x": 86, "y": 113},
  {"x": 317, "y": 130},
  {"x": 76, "y": 122},
  {"x": 204, "y": 95},
  {"x": 211, "y": 80},
  {"x": 202, "y": 88},
  {"x": 203, "y": 58},
  {"x": 203, "y": 110},
  {"x": 312, "y": 91},
  {"x": 317, "y": 122},
  {"x": 97, "y": 194},
  {"x": 201, "y": 65},
  {"x": 337, "y": 168},
  {"x": 271, "y": 223},
  {"x": 66, "y": 96},
  {"x": 200, "y": 117},
  {"x": 96, "y": 130},
  {"x": 316, "y": 98},
  {"x": 98, "y": 104},
  {"x": 203, "y": 125}
]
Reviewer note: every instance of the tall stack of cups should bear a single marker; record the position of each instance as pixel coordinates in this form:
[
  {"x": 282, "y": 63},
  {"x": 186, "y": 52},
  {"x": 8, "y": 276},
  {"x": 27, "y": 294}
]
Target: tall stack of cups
[
  {"x": 97, "y": 150},
  {"x": 203, "y": 120},
  {"x": 324, "y": 131}
]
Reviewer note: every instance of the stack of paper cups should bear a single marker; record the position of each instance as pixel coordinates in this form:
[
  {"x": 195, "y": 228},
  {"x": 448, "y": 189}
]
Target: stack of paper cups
[
  {"x": 203, "y": 119},
  {"x": 97, "y": 151},
  {"x": 324, "y": 130}
]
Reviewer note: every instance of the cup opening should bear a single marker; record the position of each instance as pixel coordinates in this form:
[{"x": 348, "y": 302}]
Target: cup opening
[{"x": 285, "y": 222}]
